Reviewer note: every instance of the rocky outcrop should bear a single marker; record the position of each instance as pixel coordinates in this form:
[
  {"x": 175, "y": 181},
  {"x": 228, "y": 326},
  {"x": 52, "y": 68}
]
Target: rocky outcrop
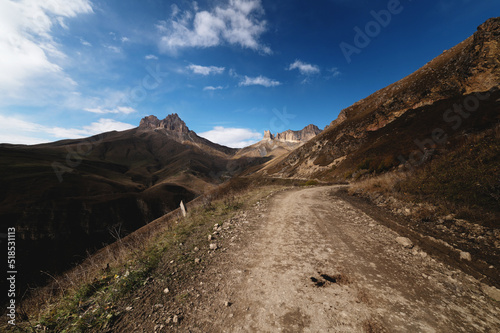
[
  {"x": 268, "y": 136},
  {"x": 273, "y": 146},
  {"x": 172, "y": 123},
  {"x": 304, "y": 135}
]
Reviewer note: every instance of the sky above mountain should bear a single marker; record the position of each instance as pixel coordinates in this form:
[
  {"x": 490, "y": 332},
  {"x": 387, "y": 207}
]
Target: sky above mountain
[{"x": 230, "y": 68}]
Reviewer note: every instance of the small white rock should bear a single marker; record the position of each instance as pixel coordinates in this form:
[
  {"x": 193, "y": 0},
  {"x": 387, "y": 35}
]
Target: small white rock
[
  {"x": 450, "y": 217},
  {"x": 213, "y": 246},
  {"x": 406, "y": 242},
  {"x": 166, "y": 291},
  {"x": 197, "y": 260},
  {"x": 465, "y": 256}
]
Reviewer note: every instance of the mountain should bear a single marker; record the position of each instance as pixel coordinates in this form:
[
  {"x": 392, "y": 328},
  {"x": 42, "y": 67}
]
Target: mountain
[
  {"x": 304, "y": 135},
  {"x": 411, "y": 121},
  {"x": 275, "y": 145},
  {"x": 69, "y": 197},
  {"x": 172, "y": 123}
]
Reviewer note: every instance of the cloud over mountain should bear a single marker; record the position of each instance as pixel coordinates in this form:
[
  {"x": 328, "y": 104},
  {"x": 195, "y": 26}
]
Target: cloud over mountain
[
  {"x": 20, "y": 130},
  {"x": 232, "y": 137}
]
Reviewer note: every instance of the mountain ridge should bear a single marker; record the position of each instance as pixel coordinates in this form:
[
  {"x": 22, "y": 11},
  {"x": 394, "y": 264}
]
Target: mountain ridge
[
  {"x": 276, "y": 145},
  {"x": 303, "y": 135},
  {"x": 358, "y": 133}
]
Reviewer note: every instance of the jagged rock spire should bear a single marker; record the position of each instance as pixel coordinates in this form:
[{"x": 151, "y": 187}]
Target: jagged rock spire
[
  {"x": 172, "y": 123},
  {"x": 303, "y": 135}
]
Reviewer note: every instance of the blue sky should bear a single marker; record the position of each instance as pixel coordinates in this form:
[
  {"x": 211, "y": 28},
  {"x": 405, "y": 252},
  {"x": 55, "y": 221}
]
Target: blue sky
[{"x": 230, "y": 68}]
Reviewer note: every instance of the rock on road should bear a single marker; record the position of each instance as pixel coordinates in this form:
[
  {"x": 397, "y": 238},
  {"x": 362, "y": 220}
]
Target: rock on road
[{"x": 314, "y": 263}]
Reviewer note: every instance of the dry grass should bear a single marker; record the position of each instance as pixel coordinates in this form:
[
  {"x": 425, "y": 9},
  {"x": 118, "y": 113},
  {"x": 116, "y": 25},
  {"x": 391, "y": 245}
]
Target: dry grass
[
  {"x": 384, "y": 183},
  {"x": 98, "y": 267},
  {"x": 464, "y": 182}
]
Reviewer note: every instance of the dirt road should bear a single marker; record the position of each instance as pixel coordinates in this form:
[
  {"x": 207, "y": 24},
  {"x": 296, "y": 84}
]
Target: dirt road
[{"x": 310, "y": 262}]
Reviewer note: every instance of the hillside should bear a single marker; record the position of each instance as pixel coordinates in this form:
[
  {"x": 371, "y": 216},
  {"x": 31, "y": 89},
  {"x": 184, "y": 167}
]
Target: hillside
[
  {"x": 415, "y": 119},
  {"x": 70, "y": 197}
]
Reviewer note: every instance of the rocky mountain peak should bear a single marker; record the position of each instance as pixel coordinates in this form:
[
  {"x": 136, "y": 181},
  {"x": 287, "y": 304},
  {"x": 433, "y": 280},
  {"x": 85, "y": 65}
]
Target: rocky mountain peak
[
  {"x": 491, "y": 25},
  {"x": 303, "y": 135},
  {"x": 268, "y": 135},
  {"x": 172, "y": 123}
]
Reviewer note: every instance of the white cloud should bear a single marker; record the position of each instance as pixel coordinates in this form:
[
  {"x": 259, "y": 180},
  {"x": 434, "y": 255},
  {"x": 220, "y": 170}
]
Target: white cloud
[
  {"x": 84, "y": 42},
  {"x": 260, "y": 80},
  {"x": 204, "y": 70},
  {"x": 113, "y": 48},
  {"x": 237, "y": 23},
  {"x": 17, "y": 130},
  {"x": 151, "y": 57},
  {"x": 175, "y": 10},
  {"x": 101, "y": 101},
  {"x": 117, "y": 110},
  {"x": 211, "y": 88},
  {"x": 125, "y": 39},
  {"x": 105, "y": 125},
  {"x": 334, "y": 72},
  {"x": 29, "y": 53},
  {"x": 232, "y": 137},
  {"x": 304, "y": 68}
]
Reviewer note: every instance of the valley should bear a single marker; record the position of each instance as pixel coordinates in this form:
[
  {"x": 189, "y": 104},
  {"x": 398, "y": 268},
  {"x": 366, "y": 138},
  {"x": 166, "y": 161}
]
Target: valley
[{"x": 387, "y": 220}]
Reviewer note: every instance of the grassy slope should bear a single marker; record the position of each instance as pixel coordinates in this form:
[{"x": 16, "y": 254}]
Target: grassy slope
[{"x": 94, "y": 299}]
